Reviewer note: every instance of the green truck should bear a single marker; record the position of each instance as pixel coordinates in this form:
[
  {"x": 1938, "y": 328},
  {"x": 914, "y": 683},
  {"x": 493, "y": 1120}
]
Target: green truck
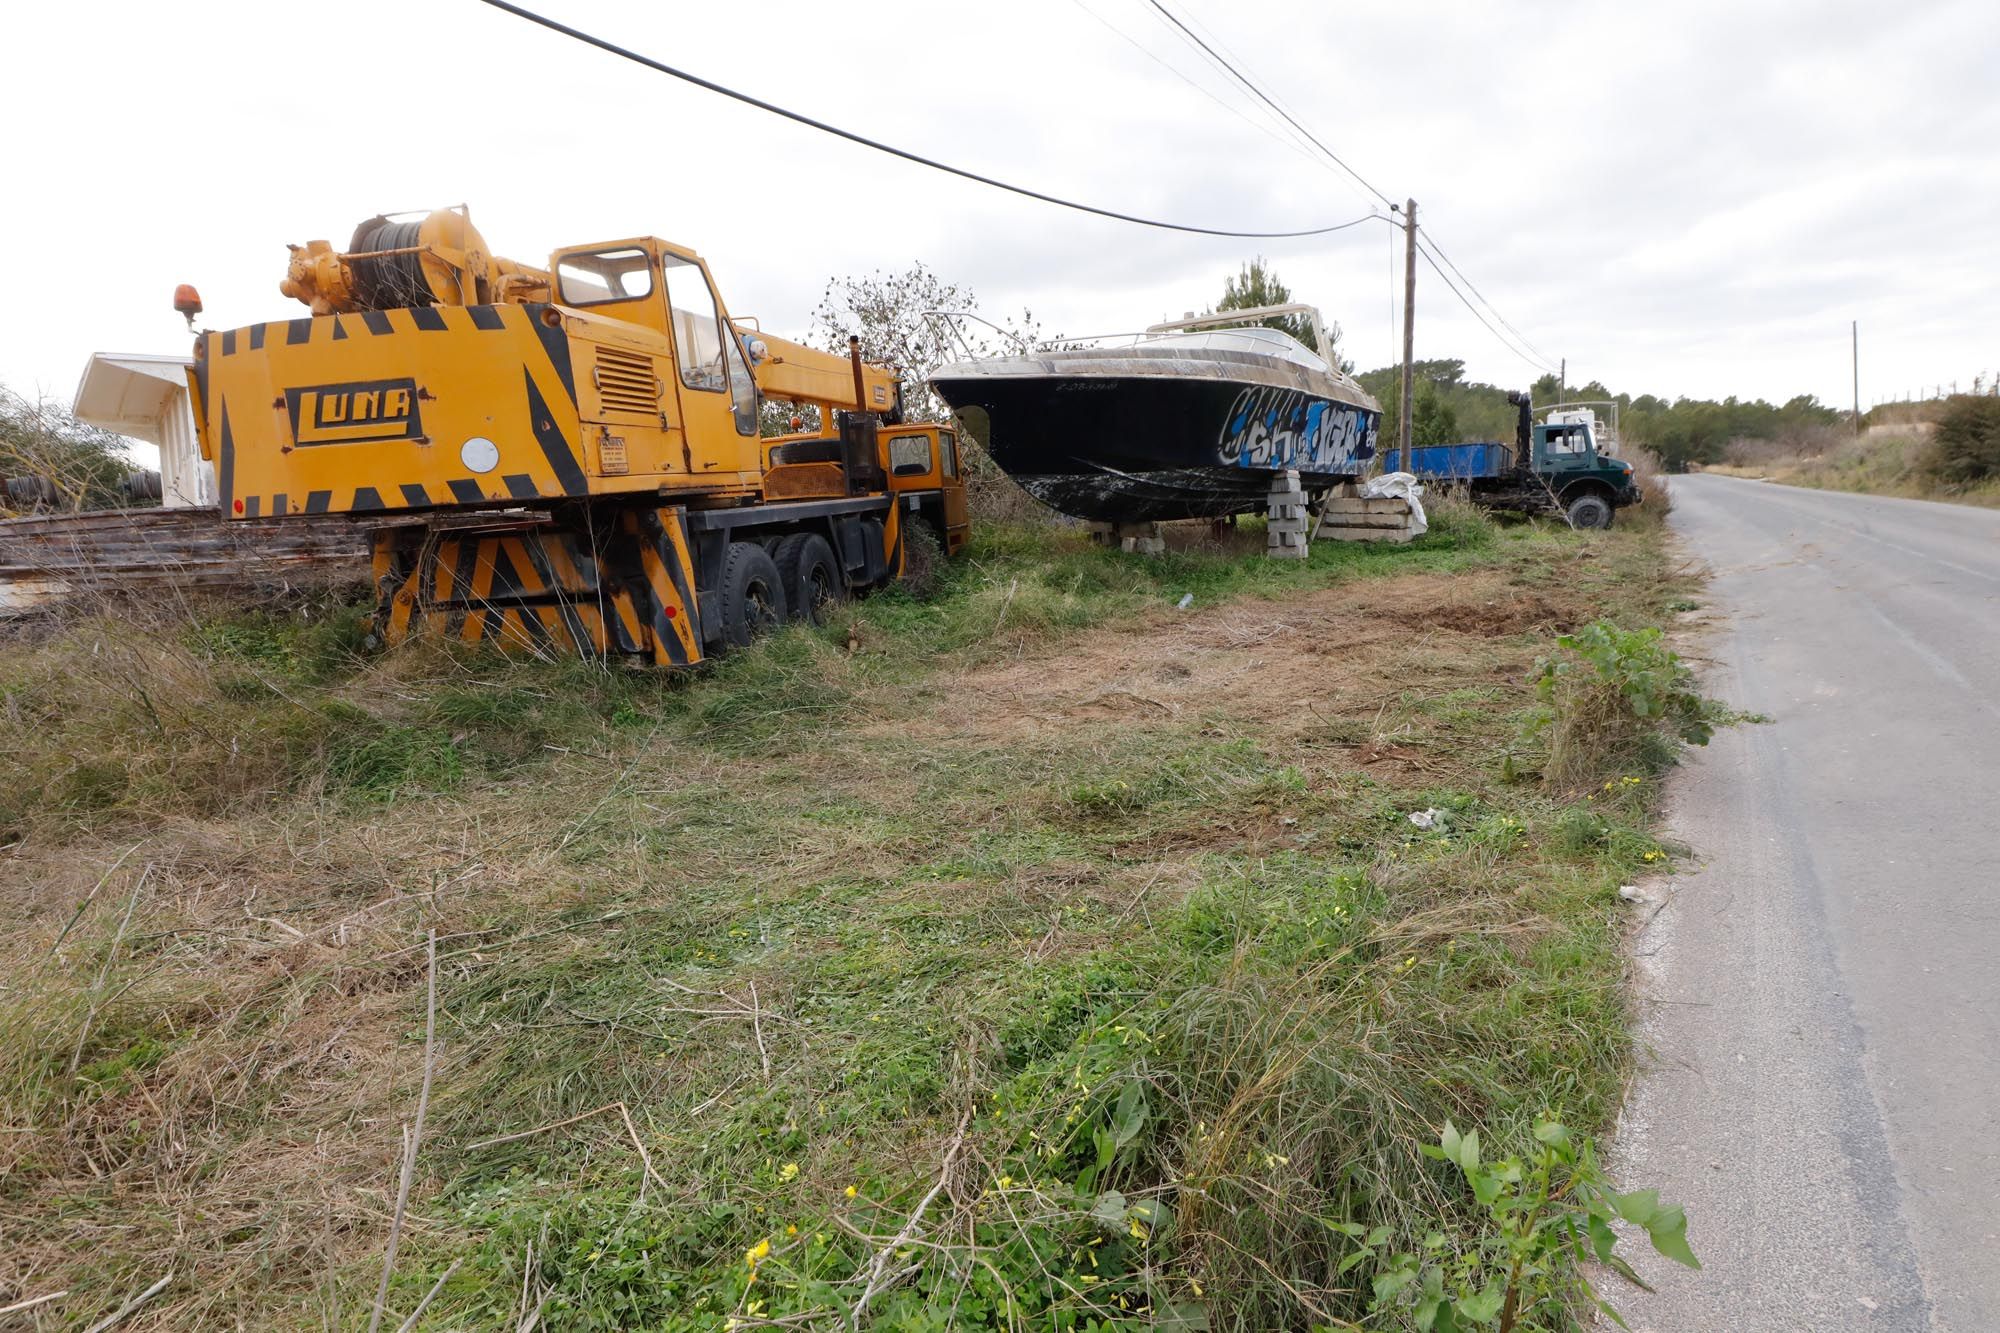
[{"x": 1555, "y": 466}]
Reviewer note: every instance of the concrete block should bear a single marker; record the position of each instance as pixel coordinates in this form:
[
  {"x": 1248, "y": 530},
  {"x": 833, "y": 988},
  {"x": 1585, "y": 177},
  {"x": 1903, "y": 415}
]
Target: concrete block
[
  {"x": 1366, "y": 521},
  {"x": 1402, "y": 534},
  {"x": 1132, "y": 538},
  {"x": 1345, "y": 505}
]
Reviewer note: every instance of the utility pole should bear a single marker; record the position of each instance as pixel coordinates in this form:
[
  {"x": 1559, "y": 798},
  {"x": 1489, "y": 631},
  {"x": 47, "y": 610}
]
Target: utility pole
[
  {"x": 1854, "y": 330},
  {"x": 1409, "y": 329}
]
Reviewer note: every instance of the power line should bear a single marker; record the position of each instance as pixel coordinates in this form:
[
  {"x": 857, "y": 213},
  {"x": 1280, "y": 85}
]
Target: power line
[
  {"x": 1291, "y": 143},
  {"x": 1539, "y": 363},
  {"x": 1533, "y": 355},
  {"x": 1423, "y": 248},
  {"x": 1430, "y": 237},
  {"x": 613, "y": 48},
  {"x": 1262, "y": 96}
]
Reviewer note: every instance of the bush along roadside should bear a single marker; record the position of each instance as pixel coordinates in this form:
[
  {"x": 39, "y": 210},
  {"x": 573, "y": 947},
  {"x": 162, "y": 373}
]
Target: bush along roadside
[{"x": 1614, "y": 700}]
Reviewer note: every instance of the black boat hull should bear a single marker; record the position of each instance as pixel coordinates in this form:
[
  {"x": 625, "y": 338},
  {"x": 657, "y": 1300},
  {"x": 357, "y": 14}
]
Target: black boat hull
[{"x": 1150, "y": 448}]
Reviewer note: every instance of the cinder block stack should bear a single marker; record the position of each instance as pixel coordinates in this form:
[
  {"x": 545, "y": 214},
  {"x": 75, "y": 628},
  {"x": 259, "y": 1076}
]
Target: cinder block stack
[
  {"x": 1286, "y": 508},
  {"x": 1131, "y": 538},
  {"x": 1349, "y": 518}
]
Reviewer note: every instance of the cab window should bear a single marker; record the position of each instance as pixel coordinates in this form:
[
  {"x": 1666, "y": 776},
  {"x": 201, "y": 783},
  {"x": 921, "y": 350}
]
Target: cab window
[
  {"x": 910, "y": 455},
  {"x": 697, "y": 334},
  {"x": 601, "y": 276},
  {"x": 1568, "y": 440},
  {"x": 948, "y": 452},
  {"x": 742, "y": 385}
]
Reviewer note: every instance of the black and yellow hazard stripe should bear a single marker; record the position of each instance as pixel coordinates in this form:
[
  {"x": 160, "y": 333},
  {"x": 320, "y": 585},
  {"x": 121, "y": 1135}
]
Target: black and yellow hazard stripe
[
  {"x": 559, "y": 471},
  {"x": 668, "y": 562},
  {"x": 312, "y": 330},
  {"x": 892, "y": 537}
]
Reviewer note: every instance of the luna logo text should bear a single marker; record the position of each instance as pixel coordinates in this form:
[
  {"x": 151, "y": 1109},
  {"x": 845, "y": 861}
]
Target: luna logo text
[{"x": 352, "y": 413}]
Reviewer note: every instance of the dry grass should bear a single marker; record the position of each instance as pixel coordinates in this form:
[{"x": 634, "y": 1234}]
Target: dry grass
[
  {"x": 797, "y": 915},
  {"x": 1896, "y": 456},
  {"x": 1658, "y": 499}
]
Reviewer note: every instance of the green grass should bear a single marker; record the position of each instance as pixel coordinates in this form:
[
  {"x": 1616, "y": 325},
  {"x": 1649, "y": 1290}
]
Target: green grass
[{"x": 1170, "y": 987}]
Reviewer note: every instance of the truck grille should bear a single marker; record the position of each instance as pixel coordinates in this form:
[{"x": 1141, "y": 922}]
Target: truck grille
[{"x": 625, "y": 382}]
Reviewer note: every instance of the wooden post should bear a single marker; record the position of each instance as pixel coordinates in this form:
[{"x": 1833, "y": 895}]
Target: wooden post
[
  {"x": 1854, "y": 329},
  {"x": 1409, "y": 330}
]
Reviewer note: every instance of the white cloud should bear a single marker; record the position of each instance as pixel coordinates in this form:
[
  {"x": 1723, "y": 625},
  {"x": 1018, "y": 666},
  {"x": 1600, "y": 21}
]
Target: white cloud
[{"x": 1692, "y": 198}]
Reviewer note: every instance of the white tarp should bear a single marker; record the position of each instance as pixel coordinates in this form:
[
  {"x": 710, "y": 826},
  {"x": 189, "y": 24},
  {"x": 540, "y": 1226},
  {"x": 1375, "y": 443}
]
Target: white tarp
[{"x": 1400, "y": 486}]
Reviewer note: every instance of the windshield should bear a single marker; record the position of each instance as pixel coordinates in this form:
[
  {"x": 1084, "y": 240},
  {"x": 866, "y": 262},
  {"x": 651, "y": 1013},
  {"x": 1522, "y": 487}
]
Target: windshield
[
  {"x": 1268, "y": 342},
  {"x": 623, "y": 274}
]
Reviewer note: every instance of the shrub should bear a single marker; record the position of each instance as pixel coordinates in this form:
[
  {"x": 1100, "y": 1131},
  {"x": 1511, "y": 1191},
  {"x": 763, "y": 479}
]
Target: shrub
[
  {"x": 1646, "y": 474},
  {"x": 1455, "y": 521},
  {"x": 1615, "y": 699},
  {"x": 1966, "y": 447},
  {"x": 41, "y": 439},
  {"x": 1541, "y": 1212}
]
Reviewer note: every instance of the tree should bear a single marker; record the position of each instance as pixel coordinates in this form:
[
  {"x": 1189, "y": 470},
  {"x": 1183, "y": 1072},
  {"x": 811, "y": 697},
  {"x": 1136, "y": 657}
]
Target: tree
[
  {"x": 1431, "y": 419},
  {"x": 887, "y": 311},
  {"x": 87, "y": 466},
  {"x": 1258, "y": 285}
]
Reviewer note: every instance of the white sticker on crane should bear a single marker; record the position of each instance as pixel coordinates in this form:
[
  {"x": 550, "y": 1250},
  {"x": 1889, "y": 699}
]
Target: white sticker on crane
[{"x": 479, "y": 454}]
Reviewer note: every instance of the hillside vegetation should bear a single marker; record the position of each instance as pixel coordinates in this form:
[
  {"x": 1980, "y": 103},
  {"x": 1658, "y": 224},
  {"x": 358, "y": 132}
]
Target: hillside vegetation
[
  {"x": 1949, "y": 450},
  {"x": 1678, "y": 433}
]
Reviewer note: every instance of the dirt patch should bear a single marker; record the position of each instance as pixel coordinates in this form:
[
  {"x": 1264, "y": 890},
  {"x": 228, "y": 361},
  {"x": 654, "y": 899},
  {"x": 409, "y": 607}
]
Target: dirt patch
[
  {"x": 1484, "y": 606},
  {"x": 1294, "y": 666}
]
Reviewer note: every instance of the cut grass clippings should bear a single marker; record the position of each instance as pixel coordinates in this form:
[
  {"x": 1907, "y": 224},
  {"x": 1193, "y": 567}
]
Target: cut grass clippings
[{"x": 1056, "y": 958}]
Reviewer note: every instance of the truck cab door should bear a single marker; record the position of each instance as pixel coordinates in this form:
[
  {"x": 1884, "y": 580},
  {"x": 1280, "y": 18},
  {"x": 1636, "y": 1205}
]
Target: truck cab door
[
  {"x": 957, "y": 521},
  {"x": 1563, "y": 448},
  {"x": 718, "y": 396},
  {"x": 923, "y": 468}
]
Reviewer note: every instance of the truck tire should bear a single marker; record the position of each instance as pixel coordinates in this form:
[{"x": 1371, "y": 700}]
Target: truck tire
[
  {"x": 811, "y": 577},
  {"x": 1590, "y": 510},
  {"x": 751, "y": 593}
]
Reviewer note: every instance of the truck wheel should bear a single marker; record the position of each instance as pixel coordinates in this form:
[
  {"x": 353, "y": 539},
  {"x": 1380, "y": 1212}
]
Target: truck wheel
[
  {"x": 1590, "y": 511},
  {"x": 812, "y": 579},
  {"x": 752, "y": 595}
]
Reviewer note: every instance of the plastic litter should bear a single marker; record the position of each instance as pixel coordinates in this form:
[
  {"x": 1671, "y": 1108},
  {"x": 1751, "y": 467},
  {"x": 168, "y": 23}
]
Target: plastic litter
[
  {"x": 1187, "y": 600},
  {"x": 1631, "y": 894},
  {"x": 1399, "y": 486},
  {"x": 1426, "y": 818}
]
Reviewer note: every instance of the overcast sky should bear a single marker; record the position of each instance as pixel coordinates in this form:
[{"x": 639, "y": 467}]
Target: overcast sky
[{"x": 1688, "y": 199}]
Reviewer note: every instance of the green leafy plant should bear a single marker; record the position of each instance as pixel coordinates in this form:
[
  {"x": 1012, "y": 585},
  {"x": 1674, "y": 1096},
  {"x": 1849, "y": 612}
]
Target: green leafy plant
[
  {"x": 1543, "y": 1220},
  {"x": 1655, "y": 684},
  {"x": 1616, "y": 698}
]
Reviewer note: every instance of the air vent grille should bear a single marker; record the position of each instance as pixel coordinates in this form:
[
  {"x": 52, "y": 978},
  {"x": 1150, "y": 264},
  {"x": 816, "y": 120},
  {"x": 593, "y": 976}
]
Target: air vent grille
[{"x": 626, "y": 382}]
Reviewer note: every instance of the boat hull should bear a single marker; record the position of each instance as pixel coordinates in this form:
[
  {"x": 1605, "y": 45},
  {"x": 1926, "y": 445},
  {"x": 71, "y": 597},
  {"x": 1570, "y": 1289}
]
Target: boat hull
[{"x": 1143, "y": 448}]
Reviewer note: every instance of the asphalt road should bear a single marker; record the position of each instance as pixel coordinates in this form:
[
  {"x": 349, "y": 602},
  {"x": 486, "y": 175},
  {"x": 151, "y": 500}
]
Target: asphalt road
[{"x": 1821, "y": 981}]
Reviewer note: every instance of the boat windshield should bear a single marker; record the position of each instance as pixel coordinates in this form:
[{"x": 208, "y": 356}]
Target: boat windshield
[{"x": 1265, "y": 342}]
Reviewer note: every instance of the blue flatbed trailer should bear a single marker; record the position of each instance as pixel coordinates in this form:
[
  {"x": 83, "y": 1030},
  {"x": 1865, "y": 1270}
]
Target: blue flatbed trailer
[{"x": 1453, "y": 462}]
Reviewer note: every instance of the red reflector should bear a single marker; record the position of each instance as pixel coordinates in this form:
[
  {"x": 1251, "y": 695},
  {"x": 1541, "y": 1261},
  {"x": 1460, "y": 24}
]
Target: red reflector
[
  {"x": 673, "y": 611},
  {"x": 238, "y": 506}
]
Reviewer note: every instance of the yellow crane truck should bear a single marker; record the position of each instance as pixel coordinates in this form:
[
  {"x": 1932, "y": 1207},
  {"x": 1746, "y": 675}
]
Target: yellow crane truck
[{"x": 566, "y": 459}]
